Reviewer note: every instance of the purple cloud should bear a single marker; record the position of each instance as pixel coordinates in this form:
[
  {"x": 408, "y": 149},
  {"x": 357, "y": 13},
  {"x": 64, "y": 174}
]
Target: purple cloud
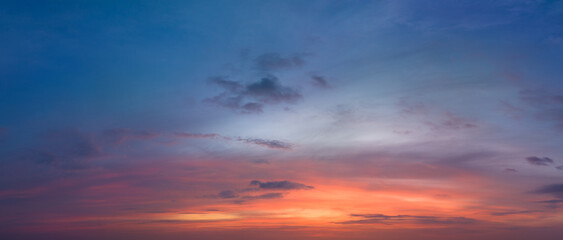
[
  {"x": 280, "y": 185},
  {"x": 545, "y": 161}
]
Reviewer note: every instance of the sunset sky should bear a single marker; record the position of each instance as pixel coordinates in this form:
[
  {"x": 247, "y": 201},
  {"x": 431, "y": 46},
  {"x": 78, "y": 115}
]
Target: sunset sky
[{"x": 271, "y": 120}]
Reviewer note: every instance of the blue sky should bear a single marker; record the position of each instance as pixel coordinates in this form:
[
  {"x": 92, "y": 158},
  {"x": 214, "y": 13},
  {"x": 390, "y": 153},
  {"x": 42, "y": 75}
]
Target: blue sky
[{"x": 114, "y": 106}]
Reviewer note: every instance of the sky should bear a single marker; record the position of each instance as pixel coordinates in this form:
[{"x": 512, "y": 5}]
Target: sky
[{"x": 303, "y": 120}]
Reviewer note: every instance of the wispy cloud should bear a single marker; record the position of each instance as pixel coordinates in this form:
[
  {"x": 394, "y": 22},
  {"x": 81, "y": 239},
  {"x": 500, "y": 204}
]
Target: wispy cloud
[
  {"x": 260, "y": 161},
  {"x": 274, "y": 62},
  {"x": 197, "y": 135},
  {"x": 438, "y": 120},
  {"x": 514, "y": 212},
  {"x": 227, "y": 194},
  {"x": 268, "y": 143},
  {"x": 120, "y": 135},
  {"x": 319, "y": 81},
  {"x": 273, "y": 195},
  {"x": 280, "y": 185},
  {"x": 540, "y": 97},
  {"x": 545, "y": 161},
  {"x": 399, "y": 219},
  {"x": 274, "y": 144},
  {"x": 554, "y": 189},
  {"x": 66, "y": 149}
]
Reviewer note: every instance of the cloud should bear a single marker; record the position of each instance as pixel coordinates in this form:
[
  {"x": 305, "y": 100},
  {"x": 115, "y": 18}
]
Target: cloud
[
  {"x": 555, "y": 189},
  {"x": 548, "y": 106},
  {"x": 274, "y": 62},
  {"x": 41, "y": 157},
  {"x": 275, "y": 195},
  {"x": 435, "y": 120},
  {"x": 280, "y": 185},
  {"x": 545, "y": 161},
  {"x": 226, "y": 100},
  {"x": 513, "y": 212},
  {"x": 196, "y": 135},
  {"x": 268, "y": 89},
  {"x": 454, "y": 122},
  {"x": 540, "y": 97},
  {"x": 510, "y": 170},
  {"x": 66, "y": 149},
  {"x": 252, "y": 97},
  {"x": 227, "y": 194},
  {"x": 415, "y": 108},
  {"x": 274, "y": 144},
  {"x": 555, "y": 115},
  {"x": 230, "y": 194},
  {"x": 319, "y": 81},
  {"x": 559, "y": 168},
  {"x": 469, "y": 16},
  {"x": 120, "y": 135},
  {"x": 260, "y": 161},
  {"x": 553, "y": 201},
  {"x": 510, "y": 110},
  {"x": 398, "y": 219},
  {"x": 221, "y": 81},
  {"x": 252, "y": 107}
]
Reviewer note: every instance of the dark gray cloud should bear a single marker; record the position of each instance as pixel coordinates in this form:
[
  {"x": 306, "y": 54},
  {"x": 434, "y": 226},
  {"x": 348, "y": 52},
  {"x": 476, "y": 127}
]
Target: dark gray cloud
[
  {"x": 260, "y": 161},
  {"x": 274, "y": 144},
  {"x": 510, "y": 170},
  {"x": 274, "y": 62},
  {"x": 554, "y": 189},
  {"x": 553, "y": 201},
  {"x": 120, "y": 135},
  {"x": 227, "y": 194},
  {"x": 238, "y": 199},
  {"x": 397, "y": 219},
  {"x": 280, "y": 185},
  {"x": 513, "y": 212},
  {"x": 264, "y": 196},
  {"x": 559, "y": 168},
  {"x": 545, "y": 161},
  {"x": 269, "y": 90},
  {"x": 252, "y": 97},
  {"x": 66, "y": 149},
  {"x": 319, "y": 81}
]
